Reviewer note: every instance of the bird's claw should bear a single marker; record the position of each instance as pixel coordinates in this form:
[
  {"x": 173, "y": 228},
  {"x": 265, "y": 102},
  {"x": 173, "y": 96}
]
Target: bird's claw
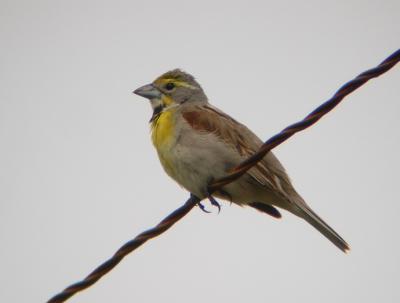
[
  {"x": 201, "y": 206},
  {"x": 215, "y": 203}
]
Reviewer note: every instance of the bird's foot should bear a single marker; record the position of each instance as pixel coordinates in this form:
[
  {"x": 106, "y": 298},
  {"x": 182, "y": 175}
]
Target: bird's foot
[
  {"x": 201, "y": 206},
  {"x": 214, "y": 202}
]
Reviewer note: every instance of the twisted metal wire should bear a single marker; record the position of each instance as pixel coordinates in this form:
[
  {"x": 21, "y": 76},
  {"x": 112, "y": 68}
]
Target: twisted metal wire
[
  {"x": 309, "y": 120},
  {"x": 274, "y": 141},
  {"x": 125, "y": 250}
]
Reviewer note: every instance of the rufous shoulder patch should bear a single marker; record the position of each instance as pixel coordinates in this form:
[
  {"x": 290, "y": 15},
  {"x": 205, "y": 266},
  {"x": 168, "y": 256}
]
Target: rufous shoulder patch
[{"x": 199, "y": 121}]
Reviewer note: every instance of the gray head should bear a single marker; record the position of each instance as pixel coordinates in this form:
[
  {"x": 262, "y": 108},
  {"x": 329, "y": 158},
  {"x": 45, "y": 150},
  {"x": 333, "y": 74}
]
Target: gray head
[{"x": 172, "y": 88}]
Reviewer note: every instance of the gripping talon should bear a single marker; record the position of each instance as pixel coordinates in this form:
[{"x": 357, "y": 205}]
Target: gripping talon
[
  {"x": 203, "y": 208},
  {"x": 215, "y": 203}
]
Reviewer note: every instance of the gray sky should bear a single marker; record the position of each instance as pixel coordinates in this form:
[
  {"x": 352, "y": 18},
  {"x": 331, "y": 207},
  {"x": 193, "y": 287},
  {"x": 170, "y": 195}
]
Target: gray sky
[{"x": 79, "y": 176}]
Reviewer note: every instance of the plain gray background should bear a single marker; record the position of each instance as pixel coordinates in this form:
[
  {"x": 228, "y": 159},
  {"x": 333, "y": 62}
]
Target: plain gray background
[{"x": 79, "y": 176}]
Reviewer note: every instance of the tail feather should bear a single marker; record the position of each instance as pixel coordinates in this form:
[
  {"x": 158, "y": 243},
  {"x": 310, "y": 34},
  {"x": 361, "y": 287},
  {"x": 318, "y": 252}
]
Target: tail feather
[{"x": 311, "y": 217}]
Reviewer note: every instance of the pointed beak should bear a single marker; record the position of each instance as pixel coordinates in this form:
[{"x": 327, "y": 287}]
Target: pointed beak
[{"x": 148, "y": 91}]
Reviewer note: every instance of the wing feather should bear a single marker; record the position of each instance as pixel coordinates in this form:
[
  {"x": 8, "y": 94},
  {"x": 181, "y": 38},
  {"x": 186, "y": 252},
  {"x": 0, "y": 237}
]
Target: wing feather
[{"x": 208, "y": 119}]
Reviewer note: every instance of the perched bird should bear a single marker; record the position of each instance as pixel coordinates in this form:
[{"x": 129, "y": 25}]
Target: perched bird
[{"x": 198, "y": 143}]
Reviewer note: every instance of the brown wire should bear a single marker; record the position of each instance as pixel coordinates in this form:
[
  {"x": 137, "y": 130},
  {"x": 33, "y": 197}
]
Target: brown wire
[
  {"x": 311, "y": 119},
  {"x": 274, "y": 141}
]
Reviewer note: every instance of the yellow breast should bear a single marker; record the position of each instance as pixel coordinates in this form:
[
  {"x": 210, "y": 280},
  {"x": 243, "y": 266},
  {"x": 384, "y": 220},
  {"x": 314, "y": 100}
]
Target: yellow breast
[
  {"x": 162, "y": 130},
  {"x": 163, "y": 137}
]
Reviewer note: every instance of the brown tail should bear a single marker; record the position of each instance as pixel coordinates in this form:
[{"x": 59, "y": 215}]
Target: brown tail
[{"x": 311, "y": 217}]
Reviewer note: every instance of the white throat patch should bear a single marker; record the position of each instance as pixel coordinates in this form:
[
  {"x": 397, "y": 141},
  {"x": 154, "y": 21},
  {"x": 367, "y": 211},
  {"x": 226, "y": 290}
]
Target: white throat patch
[{"x": 156, "y": 103}]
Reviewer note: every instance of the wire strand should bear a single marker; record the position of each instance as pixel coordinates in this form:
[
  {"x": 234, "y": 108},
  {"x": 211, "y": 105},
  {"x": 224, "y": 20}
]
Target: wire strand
[{"x": 237, "y": 172}]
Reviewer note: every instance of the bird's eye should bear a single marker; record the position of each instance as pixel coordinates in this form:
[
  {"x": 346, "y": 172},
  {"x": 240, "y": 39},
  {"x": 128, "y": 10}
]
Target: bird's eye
[{"x": 169, "y": 86}]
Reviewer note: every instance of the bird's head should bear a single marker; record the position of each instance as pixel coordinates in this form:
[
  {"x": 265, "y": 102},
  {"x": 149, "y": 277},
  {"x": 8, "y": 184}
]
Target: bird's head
[{"x": 173, "y": 88}]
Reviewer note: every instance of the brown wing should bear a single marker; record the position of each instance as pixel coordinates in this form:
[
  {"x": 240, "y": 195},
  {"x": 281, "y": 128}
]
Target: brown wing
[{"x": 268, "y": 172}]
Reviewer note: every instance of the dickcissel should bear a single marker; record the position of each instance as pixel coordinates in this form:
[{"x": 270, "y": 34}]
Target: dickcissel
[{"x": 198, "y": 143}]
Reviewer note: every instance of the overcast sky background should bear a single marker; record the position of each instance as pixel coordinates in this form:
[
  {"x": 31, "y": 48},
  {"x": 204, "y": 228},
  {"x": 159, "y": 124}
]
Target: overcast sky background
[{"x": 79, "y": 176}]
